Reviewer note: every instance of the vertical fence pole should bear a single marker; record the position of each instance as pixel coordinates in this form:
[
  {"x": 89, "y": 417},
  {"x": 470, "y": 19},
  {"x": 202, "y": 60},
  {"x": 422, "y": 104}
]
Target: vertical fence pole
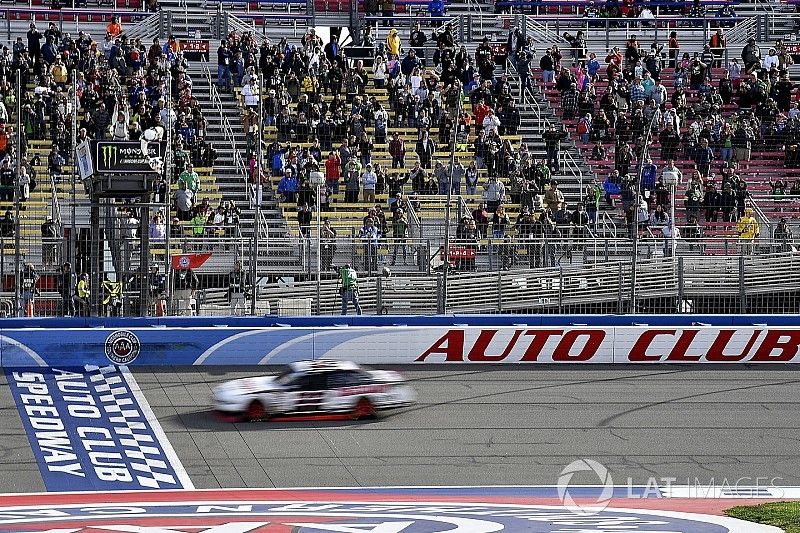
[
  {"x": 619, "y": 287},
  {"x": 167, "y": 201},
  {"x": 258, "y": 193},
  {"x": 499, "y": 291},
  {"x": 742, "y": 294},
  {"x": 681, "y": 285},
  {"x": 17, "y": 226},
  {"x": 560, "y": 289},
  {"x": 75, "y": 107}
]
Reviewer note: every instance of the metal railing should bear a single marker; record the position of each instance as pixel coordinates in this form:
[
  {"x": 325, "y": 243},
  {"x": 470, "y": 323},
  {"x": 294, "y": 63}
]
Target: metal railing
[{"x": 571, "y": 167}]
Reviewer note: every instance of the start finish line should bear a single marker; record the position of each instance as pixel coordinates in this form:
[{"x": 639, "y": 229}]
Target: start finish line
[{"x": 376, "y": 510}]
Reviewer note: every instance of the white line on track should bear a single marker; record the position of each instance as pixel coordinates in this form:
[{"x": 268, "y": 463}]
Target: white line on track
[{"x": 158, "y": 431}]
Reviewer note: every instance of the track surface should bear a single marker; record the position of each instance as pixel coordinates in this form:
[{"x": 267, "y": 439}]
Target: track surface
[{"x": 478, "y": 426}]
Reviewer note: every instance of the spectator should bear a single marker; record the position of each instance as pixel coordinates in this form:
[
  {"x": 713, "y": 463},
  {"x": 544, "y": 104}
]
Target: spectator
[
  {"x": 50, "y": 238},
  {"x": 29, "y": 290},
  {"x": 348, "y": 288},
  {"x": 749, "y": 230},
  {"x": 552, "y": 138},
  {"x": 185, "y": 284},
  {"x": 81, "y": 295},
  {"x": 67, "y": 282}
]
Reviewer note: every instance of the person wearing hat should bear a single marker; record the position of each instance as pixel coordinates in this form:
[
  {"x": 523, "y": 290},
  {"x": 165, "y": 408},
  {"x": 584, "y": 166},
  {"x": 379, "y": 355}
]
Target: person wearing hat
[
  {"x": 67, "y": 283},
  {"x": 393, "y": 43}
]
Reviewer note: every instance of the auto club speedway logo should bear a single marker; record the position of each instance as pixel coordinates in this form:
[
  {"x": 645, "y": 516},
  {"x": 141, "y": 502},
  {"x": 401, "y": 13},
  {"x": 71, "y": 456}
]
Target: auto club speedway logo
[
  {"x": 122, "y": 347},
  {"x": 269, "y": 511}
]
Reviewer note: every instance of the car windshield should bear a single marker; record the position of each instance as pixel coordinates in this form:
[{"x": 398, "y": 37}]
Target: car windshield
[{"x": 285, "y": 378}]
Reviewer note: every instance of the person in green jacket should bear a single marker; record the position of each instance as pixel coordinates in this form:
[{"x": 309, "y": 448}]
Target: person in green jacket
[{"x": 190, "y": 178}]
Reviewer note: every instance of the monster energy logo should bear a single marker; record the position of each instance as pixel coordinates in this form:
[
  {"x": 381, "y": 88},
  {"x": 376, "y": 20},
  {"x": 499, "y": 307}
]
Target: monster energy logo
[{"x": 109, "y": 154}]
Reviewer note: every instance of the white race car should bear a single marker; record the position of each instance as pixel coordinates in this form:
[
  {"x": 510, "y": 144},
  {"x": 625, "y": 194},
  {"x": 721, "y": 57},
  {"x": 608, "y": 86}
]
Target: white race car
[{"x": 314, "y": 388}]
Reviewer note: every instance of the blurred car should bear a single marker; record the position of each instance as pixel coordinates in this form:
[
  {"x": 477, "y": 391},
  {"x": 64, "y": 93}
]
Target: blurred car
[{"x": 314, "y": 388}]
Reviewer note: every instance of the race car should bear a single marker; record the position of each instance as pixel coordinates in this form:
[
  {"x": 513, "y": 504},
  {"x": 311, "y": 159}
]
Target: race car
[{"x": 314, "y": 388}]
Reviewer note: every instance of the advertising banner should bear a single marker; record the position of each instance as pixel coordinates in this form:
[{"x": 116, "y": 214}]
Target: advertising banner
[
  {"x": 125, "y": 157},
  {"x": 399, "y": 345}
]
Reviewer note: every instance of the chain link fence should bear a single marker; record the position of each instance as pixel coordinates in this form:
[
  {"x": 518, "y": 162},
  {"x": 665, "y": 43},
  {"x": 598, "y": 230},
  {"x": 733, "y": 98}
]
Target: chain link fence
[{"x": 214, "y": 272}]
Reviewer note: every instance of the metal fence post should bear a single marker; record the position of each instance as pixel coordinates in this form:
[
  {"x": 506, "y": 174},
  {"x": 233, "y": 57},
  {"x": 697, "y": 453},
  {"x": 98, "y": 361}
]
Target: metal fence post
[
  {"x": 378, "y": 295},
  {"x": 619, "y": 287},
  {"x": 461, "y": 28},
  {"x": 439, "y": 299},
  {"x": 681, "y": 285},
  {"x": 499, "y": 291},
  {"x": 560, "y": 289},
  {"x": 742, "y": 294}
]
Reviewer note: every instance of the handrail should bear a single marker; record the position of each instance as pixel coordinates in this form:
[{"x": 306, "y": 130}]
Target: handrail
[
  {"x": 227, "y": 131},
  {"x": 543, "y": 122}
]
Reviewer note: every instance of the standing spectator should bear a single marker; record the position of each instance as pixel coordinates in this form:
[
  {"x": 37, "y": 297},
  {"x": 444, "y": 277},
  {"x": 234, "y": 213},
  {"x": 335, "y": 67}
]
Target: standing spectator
[
  {"x": 425, "y": 150},
  {"x": 184, "y": 201},
  {"x": 184, "y": 283},
  {"x": 748, "y": 230},
  {"x": 50, "y": 238},
  {"x": 718, "y": 43},
  {"x": 223, "y": 66},
  {"x": 82, "y": 294},
  {"x": 238, "y": 285},
  {"x": 552, "y": 139},
  {"x": 328, "y": 245},
  {"x": 547, "y": 64},
  {"x": 369, "y": 235},
  {"x": 30, "y": 279},
  {"x": 35, "y": 43},
  {"x": 495, "y": 194},
  {"x": 66, "y": 287},
  {"x": 751, "y": 56},
  {"x": 114, "y": 27},
  {"x": 348, "y": 288},
  {"x": 190, "y": 178},
  {"x": 369, "y": 180},
  {"x": 397, "y": 149}
]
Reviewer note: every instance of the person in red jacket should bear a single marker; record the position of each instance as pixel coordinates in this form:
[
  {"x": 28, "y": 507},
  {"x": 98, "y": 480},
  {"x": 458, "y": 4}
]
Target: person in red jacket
[
  {"x": 332, "y": 172},
  {"x": 481, "y": 110}
]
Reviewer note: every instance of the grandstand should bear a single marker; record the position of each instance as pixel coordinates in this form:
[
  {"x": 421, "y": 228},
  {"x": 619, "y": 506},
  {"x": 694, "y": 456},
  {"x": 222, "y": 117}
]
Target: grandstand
[{"x": 542, "y": 230}]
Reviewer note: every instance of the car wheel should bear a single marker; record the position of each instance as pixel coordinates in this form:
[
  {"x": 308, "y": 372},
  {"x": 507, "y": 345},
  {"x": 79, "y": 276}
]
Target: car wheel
[
  {"x": 256, "y": 411},
  {"x": 363, "y": 409}
]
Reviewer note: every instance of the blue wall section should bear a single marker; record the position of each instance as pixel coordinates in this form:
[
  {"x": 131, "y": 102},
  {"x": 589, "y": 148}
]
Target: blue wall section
[{"x": 385, "y": 339}]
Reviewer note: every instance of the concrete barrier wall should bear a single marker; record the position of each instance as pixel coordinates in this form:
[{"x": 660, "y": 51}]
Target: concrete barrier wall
[{"x": 400, "y": 340}]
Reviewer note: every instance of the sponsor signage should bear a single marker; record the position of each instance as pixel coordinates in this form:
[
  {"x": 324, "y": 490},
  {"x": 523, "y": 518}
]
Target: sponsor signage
[
  {"x": 412, "y": 344},
  {"x": 85, "y": 166},
  {"x": 90, "y": 429},
  {"x": 195, "y": 45},
  {"x": 125, "y": 157},
  {"x": 347, "y": 511}
]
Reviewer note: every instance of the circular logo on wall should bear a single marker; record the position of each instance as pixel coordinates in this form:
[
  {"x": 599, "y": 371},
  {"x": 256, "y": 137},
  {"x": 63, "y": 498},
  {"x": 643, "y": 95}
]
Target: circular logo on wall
[
  {"x": 564, "y": 487},
  {"x": 289, "y": 511},
  {"x": 122, "y": 347},
  {"x": 183, "y": 262}
]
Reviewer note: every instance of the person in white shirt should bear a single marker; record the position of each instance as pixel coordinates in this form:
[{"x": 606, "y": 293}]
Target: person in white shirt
[
  {"x": 491, "y": 122},
  {"x": 370, "y": 180},
  {"x": 250, "y": 93},
  {"x": 771, "y": 60}
]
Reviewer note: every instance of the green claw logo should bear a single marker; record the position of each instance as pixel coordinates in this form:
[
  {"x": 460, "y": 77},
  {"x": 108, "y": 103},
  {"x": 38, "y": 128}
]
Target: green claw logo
[{"x": 109, "y": 155}]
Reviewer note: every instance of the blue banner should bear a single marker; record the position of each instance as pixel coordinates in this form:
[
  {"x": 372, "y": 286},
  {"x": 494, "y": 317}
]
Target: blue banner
[{"x": 92, "y": 430}]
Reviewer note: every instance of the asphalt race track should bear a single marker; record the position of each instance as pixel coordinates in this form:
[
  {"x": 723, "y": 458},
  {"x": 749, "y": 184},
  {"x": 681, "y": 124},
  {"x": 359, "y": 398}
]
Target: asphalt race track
[{"x": 480, "y": 426}]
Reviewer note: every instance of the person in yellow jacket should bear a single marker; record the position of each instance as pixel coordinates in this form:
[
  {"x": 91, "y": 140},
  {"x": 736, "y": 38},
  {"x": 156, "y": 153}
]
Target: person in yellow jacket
[
  {"x": 748, "y": 231},
  {"x": 393, "y": 43},
  {"x": 82, "y": 293}
]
